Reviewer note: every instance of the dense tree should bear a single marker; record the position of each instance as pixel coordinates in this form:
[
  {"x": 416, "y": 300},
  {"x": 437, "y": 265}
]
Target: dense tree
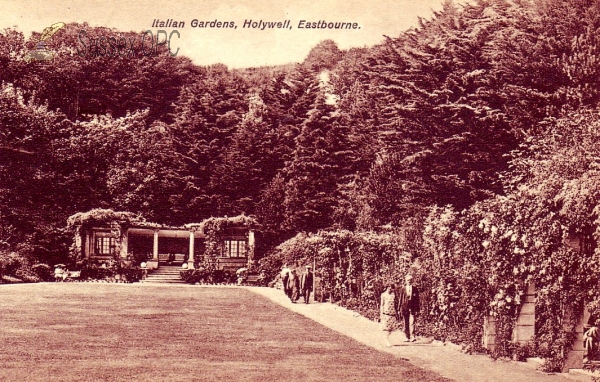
[
  {"x": 324, "y": 56},
  {"x": 207, "y": 113},
  {"x": 32, "y": 204},
  {"x": 94, "y": 72},
  {"x": 351, "y": 139}
]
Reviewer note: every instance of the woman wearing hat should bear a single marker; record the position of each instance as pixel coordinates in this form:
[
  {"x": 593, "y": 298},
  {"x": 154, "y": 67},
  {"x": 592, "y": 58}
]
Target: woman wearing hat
[
  {"x": 294, "y": 286},
  {"x": 388, "y": 312}
]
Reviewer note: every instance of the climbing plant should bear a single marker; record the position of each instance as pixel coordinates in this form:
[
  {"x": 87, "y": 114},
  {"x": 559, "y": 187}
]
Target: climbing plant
[
  {"x": 118, "y": 221},
  {"x": 544, "y": 231},
  {"x": 213, "y": 229},
  {"x": 347, "y": 264}
]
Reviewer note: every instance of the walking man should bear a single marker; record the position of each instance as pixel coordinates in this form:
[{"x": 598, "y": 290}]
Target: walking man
[
  {"x": 306, "y": 283},
  {"x": 408, "y": 304}
]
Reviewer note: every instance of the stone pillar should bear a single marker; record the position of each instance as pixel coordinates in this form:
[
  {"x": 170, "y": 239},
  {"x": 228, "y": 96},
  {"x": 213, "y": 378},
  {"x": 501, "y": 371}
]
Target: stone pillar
[
  {"x": 524, "y": 330},
  {"x": 155, "y": 247},
  {"x": 489, "y": 332},
  {"x": 250, "y": 246},
  {"x": 190, "y": 262},
  {"x": 574, "y": 356},
  {"x": 124, "y": 243},
  {"x": 89, "y": 244},
  {"x": 78, "y": 244}
]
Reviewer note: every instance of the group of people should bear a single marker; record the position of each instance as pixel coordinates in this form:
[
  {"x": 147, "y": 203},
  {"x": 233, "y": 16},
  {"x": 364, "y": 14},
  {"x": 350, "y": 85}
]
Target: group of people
[
  {"x": 295, "y": 285},
  {"x": 399, "y": 304},
  {"x": 60, "y": 273}
]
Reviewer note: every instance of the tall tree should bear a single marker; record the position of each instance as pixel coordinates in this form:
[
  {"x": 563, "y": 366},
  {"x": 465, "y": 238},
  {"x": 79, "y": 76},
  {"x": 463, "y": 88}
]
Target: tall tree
[{"x": 206, "y": 115}]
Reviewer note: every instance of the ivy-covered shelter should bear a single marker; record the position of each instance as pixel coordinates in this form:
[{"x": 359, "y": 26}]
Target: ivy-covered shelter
[{"x": 221, "y": 243}]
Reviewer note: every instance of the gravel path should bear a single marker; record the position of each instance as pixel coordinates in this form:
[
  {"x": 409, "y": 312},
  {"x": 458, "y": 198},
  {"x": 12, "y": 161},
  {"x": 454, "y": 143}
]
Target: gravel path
[{"x": 445, "y": 360}]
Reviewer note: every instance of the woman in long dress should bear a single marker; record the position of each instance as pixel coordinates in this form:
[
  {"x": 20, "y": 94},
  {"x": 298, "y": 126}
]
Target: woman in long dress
[
  {"x": 388, "y": 312},
  {"x": 294, "y": 286}
]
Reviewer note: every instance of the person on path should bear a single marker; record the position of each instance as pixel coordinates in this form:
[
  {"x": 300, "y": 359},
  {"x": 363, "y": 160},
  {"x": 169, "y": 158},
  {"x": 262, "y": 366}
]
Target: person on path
[
  {"x": 591, "y": 337},
  {"x": 285, "y": 276},
  {"x": 388, "y": 312},
  {"x": 294, "y": 286},
  {"x": 377, "y": 287},
  {"x": 58, "y": 273},
  {"x": 306, "y": 283},
  {"x": 408, "y": 305}
]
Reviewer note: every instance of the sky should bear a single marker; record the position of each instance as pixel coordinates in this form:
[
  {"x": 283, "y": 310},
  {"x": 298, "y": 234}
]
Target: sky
[{"x": 239, "y": 47}]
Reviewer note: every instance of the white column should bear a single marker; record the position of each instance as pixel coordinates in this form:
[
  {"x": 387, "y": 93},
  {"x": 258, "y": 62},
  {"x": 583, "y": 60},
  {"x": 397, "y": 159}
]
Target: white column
[
  {"x": 191, "y": 256},
  {"x": 78, "y": 244},
  {"x": 124, "y": 243},
  {"x": 251, "y": 245},
  {"x": 155, "y": 249},
  {"x": 89, "y": 245}
]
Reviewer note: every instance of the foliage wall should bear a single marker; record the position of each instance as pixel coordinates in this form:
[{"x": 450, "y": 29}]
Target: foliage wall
[{"x": 348, "y": 264}]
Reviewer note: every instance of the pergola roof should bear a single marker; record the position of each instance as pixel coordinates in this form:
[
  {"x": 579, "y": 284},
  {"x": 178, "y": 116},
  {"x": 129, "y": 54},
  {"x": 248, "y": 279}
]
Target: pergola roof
[{"x": 165, "y": 231}]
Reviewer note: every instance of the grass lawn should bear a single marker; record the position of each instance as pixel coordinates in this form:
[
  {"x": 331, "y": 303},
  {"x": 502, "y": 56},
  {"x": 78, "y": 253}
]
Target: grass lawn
[{"x": 118, "y": 332}]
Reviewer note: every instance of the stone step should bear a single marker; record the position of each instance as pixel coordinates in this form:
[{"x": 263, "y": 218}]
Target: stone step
[
  {"x": 174, "y": 276},
  {"x": 163, "y": 277},
  {"x": 165, "y": 274},
  {"x": 163, "y": 281}
]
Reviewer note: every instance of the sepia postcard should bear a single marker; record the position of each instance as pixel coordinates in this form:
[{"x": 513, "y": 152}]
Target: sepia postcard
[{"x": 282, "y": 190}]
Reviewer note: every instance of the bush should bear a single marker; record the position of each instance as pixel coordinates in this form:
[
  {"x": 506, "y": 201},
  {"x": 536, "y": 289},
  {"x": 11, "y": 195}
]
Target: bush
[
  {"x": 207, "y": 276},
  {"x": 94, "y": 271},
  {"x": 10, "y": 262},
  {"x": 27, "y": 275},
  {"x": 43, "y": 271},
  {"x": 132, "y": 274}
]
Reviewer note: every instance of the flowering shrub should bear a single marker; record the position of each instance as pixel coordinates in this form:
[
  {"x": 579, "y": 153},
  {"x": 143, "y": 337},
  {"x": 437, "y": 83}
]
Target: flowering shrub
[
  {"x": 479, "y": 261},
  {"x": 43, "y": 272},
  {"x": 15, "y": 267}
]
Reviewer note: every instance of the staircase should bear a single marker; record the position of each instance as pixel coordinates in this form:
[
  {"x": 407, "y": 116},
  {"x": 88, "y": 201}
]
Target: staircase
[{"x": 165, "y": 274}]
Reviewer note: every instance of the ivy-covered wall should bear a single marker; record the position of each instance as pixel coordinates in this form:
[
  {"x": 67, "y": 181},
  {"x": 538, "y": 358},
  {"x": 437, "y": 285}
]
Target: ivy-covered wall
[
  {"x": 215, "y": 229},
  {"x": 470, "y": 266}
]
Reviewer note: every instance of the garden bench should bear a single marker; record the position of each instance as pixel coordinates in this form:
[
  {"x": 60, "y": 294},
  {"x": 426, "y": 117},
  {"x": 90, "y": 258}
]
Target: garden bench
[
  {"x": 73, "y": 275},
  {"x": 252, "y": 279}
]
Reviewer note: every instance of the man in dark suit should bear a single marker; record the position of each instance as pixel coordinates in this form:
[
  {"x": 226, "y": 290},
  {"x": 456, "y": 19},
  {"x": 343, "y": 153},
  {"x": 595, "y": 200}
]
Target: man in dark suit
[
  {"x": 285, "y": 277},
  {"x": 408, "y": 306},
  {"x": 306, "y": 283}
]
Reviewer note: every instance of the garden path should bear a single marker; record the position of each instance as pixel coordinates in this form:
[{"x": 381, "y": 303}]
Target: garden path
[{"x": 447, "y": 361}]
